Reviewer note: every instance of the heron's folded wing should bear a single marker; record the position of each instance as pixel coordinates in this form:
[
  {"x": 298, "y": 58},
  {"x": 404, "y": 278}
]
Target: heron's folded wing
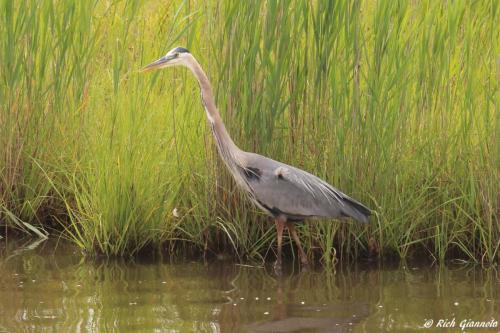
[
  {"x": 299, "y": 193},
  {"x": 293, "y": 191}
]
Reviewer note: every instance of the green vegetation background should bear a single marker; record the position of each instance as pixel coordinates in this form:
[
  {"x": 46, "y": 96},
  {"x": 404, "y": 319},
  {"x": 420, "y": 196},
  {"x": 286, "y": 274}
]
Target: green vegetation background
[{"x": 394, "y": 102}]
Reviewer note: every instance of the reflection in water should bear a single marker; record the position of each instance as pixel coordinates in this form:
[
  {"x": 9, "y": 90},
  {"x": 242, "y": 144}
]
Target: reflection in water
[{"x": 51, "y": 288}]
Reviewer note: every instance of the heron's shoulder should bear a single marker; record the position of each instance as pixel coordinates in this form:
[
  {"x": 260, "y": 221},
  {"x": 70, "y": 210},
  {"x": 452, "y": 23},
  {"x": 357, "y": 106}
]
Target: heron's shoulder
[
  {"x": 275, "y": 171},
  {"x": 258, "y": 161},
  {"x": 284, "y": 172}
]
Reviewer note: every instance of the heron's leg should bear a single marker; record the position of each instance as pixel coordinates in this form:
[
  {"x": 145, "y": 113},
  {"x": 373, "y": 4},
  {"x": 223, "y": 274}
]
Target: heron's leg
[
  {"x": 302, "y": 254},
  {"x": 280, "y": 225}
]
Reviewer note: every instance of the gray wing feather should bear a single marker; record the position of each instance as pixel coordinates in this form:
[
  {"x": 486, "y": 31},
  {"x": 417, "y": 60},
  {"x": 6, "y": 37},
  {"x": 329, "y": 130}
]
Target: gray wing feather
[{"x": 298, "y": 193}]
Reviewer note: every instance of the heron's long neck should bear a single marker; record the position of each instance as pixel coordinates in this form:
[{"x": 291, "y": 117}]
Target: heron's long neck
[{"x": 225, "y": 144}]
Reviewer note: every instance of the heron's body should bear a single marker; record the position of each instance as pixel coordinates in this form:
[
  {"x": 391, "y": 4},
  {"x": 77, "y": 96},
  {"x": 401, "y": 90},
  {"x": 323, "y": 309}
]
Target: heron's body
[
  {"x": 286, "y": 193},
  {"x": 281, "y": 189}
]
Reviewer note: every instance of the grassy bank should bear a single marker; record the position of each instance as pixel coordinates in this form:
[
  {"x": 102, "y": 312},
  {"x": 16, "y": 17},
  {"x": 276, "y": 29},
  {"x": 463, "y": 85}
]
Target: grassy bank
[{"x": 395, "y": 103}]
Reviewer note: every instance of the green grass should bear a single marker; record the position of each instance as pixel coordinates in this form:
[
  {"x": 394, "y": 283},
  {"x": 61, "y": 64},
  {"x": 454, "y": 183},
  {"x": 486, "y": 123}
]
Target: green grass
[{"x": 394, "y": 102}]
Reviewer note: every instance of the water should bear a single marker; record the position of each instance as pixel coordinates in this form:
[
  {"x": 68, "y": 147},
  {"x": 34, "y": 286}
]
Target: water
[{"x": 48, "y": 288}]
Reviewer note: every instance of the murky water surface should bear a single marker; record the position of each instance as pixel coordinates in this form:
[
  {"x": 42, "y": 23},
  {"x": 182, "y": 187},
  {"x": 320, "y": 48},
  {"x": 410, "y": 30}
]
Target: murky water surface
[{"x": 44, "y": 288}]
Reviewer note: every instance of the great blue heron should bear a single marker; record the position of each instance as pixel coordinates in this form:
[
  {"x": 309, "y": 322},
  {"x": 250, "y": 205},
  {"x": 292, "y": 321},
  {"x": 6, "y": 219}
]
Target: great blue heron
[{"x": 286, "y": 193}]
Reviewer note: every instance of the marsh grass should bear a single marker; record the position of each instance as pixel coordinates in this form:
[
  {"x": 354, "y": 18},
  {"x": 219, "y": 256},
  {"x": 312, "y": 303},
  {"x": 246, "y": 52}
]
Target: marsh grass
[{"x": 394, "y": 102}]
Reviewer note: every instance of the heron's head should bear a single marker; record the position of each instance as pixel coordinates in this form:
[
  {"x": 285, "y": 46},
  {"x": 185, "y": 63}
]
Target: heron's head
[{"x": 175, "y": 57}]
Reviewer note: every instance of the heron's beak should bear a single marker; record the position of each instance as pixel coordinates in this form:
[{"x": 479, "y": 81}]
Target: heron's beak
[{"x": 159, "y": 63}]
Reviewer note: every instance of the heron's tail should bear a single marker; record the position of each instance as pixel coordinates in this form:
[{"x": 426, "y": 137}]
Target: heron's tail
[{"x": 356, "y": 210}]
